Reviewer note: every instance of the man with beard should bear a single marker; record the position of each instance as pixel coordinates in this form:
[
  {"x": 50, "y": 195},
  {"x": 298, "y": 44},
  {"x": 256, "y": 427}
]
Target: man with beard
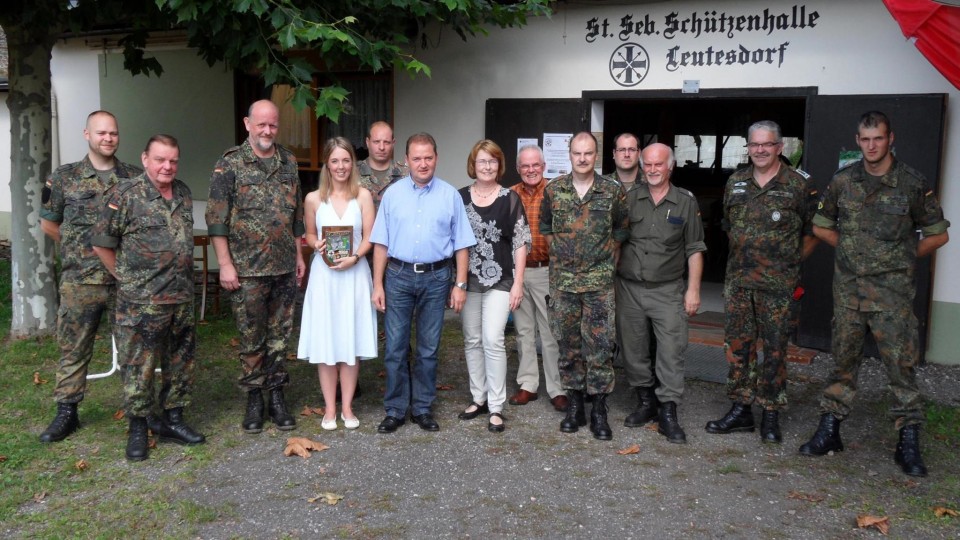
[
  {"x": 870, "y": 213},
  {"x": 255, "y": 219},
  {"x": 666, "y": 236},
  {"x": 71, "y": 201}
]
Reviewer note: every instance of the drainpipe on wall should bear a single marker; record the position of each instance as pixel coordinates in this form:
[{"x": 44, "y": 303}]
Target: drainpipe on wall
[{"x": 54, "y": 134}]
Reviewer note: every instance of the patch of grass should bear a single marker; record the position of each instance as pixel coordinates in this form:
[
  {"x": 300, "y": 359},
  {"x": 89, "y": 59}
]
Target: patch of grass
[
  {"x": 943, "y": 423},
  {"x": 730, "y": 468}
]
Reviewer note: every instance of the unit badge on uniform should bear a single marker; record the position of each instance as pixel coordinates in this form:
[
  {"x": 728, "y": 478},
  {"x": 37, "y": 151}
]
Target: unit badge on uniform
[{"x": 775, "y": 215}]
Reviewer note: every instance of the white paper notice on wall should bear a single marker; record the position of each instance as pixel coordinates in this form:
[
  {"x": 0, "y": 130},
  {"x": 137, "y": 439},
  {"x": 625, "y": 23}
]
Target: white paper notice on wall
[{"x": 556, "y": 154}]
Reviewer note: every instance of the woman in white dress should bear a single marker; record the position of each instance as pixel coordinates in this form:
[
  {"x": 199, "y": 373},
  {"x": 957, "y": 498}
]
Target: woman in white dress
[{"x": 339, "y": 325}]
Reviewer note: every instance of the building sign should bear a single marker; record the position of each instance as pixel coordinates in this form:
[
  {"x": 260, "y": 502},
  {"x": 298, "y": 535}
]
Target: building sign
[{"x": 718, "y": 38}]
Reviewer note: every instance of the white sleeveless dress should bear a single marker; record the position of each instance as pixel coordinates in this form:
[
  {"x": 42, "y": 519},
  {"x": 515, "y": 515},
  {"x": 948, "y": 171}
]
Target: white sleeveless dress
[{"x": 339, "y": 321}]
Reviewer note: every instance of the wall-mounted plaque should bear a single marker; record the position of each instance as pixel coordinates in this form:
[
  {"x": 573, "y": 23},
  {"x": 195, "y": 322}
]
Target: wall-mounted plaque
[{"x": 339, "y": 243}]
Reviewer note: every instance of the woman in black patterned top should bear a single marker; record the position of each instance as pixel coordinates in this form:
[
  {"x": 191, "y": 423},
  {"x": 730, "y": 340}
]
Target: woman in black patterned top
[{"x": 495, "y": 284}]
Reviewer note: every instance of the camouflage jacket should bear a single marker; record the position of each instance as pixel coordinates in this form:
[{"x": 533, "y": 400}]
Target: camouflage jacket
[
  {"x": 259, "y": 211},
  {"x": 153, "y": 239},
  {"x": 367, "y": 179},
  {"x": 662, "y": 237},
  {"x": 72, "y": 198},
  {"x": 766, "y": 226},
  {"x": 877, "y": 222},
  {"x": 585, "y": 233}
]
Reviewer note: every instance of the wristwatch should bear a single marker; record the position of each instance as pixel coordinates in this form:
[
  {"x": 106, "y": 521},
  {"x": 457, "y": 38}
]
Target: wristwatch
[{"x": 462, "y": 285}]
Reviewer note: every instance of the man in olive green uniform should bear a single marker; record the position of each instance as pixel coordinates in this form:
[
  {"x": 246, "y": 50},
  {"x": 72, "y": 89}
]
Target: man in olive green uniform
[
  {"x": 255, "y": 219},
  {"x": 626, "y": 158},
  {"x": 767, "y": 212},
  {"x": 145, "y": 239},
  {"x": 584, "y": 218},
  {"x": 71, "y": 205},
  {"x": 870, "y": 213},
  {"x": 666, "y": 236},
  {"x": 379, "y": 171}
]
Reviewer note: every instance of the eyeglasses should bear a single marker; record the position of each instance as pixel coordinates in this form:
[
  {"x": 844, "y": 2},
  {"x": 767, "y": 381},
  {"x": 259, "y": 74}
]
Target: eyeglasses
[
  {"x": 630, "y": 150},
  {"x": 490, "y": 162},
  {"x": 533, "y": 167},
  {"x": 757, "y": 145}
]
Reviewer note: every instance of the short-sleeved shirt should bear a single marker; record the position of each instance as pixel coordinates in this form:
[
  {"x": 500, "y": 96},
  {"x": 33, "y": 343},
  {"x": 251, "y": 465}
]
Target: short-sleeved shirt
[
  {"x": 257, "y": 204},
  {"x": 662, "y": 236},
  {"x": 153, "y": 239},
  {"x": 422, "y": 224},
  {"x": 501, "y": 229},
  {"x": 377, "y": 182},
  {"x": 877, "y": 219},
  {"x": 531, "y": 198},
  {"x": 72, "y": 198},
  {"x": 585, "y": 232},
  {"x": 766, "y": 226}
]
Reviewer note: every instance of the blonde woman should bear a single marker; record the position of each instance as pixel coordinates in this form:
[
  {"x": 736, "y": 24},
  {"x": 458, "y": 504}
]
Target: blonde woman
[{"x": 339, "y": 325}]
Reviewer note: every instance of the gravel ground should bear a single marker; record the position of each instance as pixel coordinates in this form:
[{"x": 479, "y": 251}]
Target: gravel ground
[{"x": 533, "y": 481}]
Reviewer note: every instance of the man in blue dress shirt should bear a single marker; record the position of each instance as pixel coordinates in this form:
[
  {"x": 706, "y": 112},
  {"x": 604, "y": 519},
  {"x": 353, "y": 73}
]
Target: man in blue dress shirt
[{"x": 421, "y": 231}]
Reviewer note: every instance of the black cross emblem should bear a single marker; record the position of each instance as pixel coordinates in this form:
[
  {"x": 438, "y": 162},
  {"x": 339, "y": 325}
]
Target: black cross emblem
[{"x": 629, "y": 64}]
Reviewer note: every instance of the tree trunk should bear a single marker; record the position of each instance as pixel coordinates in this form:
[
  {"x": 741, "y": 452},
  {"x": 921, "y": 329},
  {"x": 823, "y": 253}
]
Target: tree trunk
[{"x": 34, "y": 287}]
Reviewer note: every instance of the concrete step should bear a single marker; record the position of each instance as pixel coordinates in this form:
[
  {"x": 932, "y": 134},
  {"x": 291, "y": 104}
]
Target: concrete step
[{"x": 707, "y": 329}]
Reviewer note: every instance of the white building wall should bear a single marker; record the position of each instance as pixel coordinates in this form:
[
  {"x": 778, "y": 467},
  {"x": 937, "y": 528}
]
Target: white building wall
[{"x": 855, "y": 47}]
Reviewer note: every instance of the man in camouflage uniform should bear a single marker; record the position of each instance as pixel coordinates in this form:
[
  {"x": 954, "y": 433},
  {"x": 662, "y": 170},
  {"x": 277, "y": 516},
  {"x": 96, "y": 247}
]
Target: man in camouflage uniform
[
  {"x": 666, "y": 236},
  {"x": 870, "y": 212},
  {"x": 767, "y": 215},
  {"x": 584, "y": 218},
  {"x": 379, "y": 171},
  {"x": 255, "y": 218},
  {"x": 71, "y": 205},
  {"x": 145, "y": 239},
  {"x": 626, "y": 158}
]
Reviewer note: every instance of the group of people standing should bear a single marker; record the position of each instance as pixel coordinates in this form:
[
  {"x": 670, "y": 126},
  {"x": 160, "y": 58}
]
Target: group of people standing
[{"x": 583, "y": 261}]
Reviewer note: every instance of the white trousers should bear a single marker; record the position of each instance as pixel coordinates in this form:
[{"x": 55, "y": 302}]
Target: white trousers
[
  {"x": 484, "y": 318},
  {"x": 530, "y": 318}
]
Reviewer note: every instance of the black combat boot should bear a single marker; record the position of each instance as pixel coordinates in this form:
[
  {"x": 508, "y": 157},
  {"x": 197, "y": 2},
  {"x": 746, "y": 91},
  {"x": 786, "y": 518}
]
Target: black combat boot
[
  {"x": 64, "y": 423},
  {"x": 137, "y": 449},
  {"x": 826, "y": 439},
  {"x": 172, "y": 428},
  {"x": 738, "y": 418},
  {"x": 647, "y": 408},
  {"x": 576, "y": 416},
  {"x": 598, "y": 419},
  {"x": 278, "y": 411},
  {"x": 253, "y": 419},
  {"x": 908, "y": 451},
  {"x": 770, "y": 427},
  {"x": 669, "y": 425}
]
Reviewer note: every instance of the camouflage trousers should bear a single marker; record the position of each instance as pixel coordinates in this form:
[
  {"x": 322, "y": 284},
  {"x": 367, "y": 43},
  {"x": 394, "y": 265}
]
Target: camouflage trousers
[
  {"x": 583, "y": 325},
  {"x": 897, "y": 340},
  {"x": 645, "y": 306},
  {"x": 81, "y": 309},
  {"x": 263, "y": 310},
  {"x": 751, "y": 315},
  {"x": 151, "y": 336}
]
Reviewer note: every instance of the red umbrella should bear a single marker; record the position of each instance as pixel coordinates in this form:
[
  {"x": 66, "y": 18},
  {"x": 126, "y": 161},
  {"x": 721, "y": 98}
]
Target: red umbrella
[{"x": 934, "y": 29}]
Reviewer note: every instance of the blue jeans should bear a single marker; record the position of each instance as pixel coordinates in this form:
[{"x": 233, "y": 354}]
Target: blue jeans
[{"x": 426, "y": 295}]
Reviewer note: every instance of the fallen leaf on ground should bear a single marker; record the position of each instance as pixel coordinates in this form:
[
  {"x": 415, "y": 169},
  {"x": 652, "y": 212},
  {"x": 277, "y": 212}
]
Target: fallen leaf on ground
[
  {"x": 82, "y": 465},
  {"x": 37, "y": 380},
  {"x": 910, "y": 484},
  {"x": 809, "y": 497},
  {"x": 38, "y": 497},
  {"x": 151, "y": 443},
  {"x": 634, "y": 449},
  {"x": 652, "y": 426},
  {"x": 381, "y": 374},
  {"x": 942, "y": 511},
  {"x": 444, "y": 387},
  {"x": 310, "y": 411},
  {"x": 329, "y": 498},
  {"x": 118, "y": 415},
  {"x": 940, "y": 436},
  {"x": 3, "y": 458},
  {"x": 302, "y": 446},
  {"x": 234, "y": 342},
  {"x": 882, "y": 524}
]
